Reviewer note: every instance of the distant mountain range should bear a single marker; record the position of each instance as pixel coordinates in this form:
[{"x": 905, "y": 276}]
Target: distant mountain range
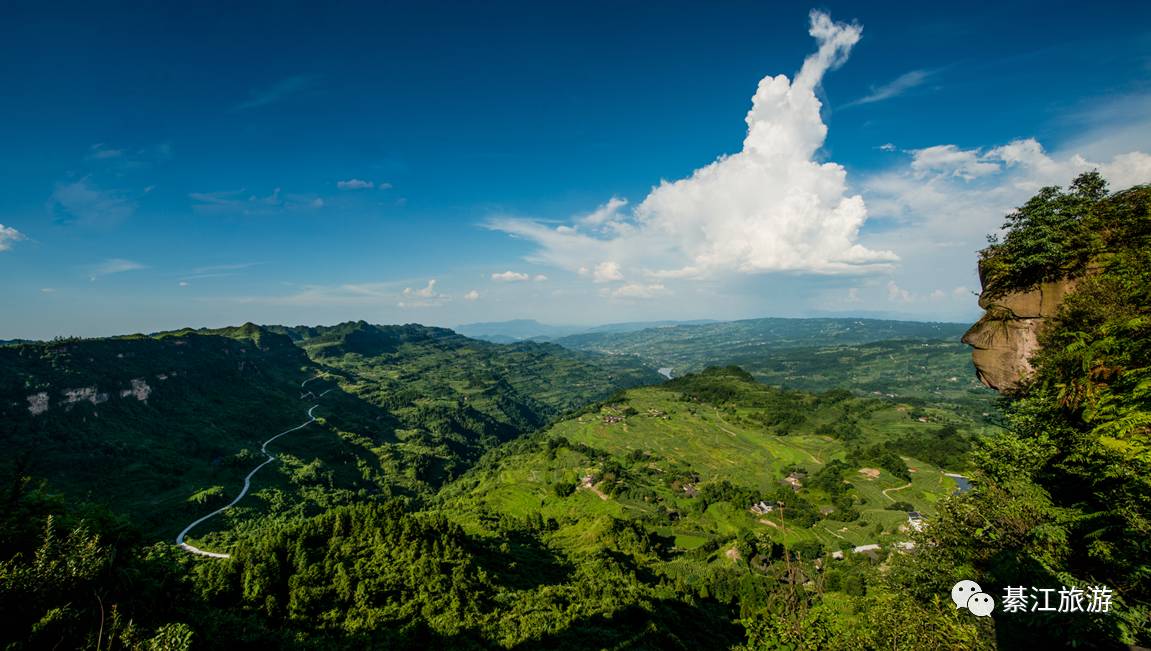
[
  {"x": 504, "y": 332},
  {"x": 719, "y": 340}
]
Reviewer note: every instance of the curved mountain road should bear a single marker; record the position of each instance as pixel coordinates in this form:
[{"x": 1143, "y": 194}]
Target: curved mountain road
[
  {"x": 898, "y": 488},
  {"x": 247, "y": 485}
]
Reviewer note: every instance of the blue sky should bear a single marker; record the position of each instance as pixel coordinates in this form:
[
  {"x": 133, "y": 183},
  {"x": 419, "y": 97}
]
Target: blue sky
[{"x": 582, "y": 162}]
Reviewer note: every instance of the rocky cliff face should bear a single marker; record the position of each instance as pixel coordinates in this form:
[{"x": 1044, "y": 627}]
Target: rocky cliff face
[{"x": 1008, "y": 333}]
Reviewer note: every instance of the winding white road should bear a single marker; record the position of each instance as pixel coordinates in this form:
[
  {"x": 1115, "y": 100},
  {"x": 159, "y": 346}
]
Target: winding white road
[{"x": 247, "y": 484}]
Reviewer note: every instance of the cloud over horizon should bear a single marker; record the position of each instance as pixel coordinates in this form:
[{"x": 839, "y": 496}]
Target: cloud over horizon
[
  {"x": 771, "y": 207},
  {"x": 939, "y": 206},
  {"x": 945, "y": 189}
]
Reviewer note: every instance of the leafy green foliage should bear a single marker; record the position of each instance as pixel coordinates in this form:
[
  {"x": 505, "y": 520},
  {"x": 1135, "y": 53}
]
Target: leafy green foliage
[
  {"x": 1056, "y": 233},
  {"x": 1063, "y": 497},
  {"x": 380, "y": 576},
  {"x": 68, "y": 576}
]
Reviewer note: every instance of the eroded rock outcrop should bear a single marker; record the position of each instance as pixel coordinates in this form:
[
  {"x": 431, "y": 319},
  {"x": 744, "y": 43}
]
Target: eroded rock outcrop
[
  {"x": 38, "y": 403},
  {"x": 1007, "y": 335},
  {"x": 140, "y": 390},
  {"x": 91, "y": 394}
]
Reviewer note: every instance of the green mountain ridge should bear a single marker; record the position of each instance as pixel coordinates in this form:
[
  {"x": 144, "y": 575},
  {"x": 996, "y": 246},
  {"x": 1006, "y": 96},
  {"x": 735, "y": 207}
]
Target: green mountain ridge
[
  {"x": 171, "y": 415},
  {"x": 529, "y": 329}
]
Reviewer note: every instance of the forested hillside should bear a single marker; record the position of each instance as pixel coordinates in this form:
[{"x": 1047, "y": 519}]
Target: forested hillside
[
  {"x": 1063, "y": 497},
  {"x": 454, "y": 397},
  {"x": 924, "y": 362},
  {"x": 177, "y": 418},
  {"x": 144, "y": 423}
]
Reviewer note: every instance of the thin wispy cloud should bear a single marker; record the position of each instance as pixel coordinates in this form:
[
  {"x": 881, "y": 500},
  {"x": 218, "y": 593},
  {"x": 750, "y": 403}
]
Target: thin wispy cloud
[
  {"x": 220, "y": 198},
  {"x": 100, "y": 151},
  {"x": 113, "y": 266},
  {"x": 279, "y": 91},
  {"x": 894, "y": 88},
  {"x": 364, "y": 294},
  {"x": 223, "y": 268},
  {"x": 217, "y": 271},
  {"x": 636, "y": 291},
  {"x": 108, "y": 185},
  {"x": 104, "y": 157},
  {"x": 244, "y": 203},
  {"x": 83, "y": 202}
]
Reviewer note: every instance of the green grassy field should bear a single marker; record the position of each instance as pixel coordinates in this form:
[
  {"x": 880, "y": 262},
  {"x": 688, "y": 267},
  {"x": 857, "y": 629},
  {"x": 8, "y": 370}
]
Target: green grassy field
[{"x": 632, "y": 458}]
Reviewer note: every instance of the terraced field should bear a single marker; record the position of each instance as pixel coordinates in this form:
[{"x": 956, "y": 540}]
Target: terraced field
[{"x": 652, "y": 454}]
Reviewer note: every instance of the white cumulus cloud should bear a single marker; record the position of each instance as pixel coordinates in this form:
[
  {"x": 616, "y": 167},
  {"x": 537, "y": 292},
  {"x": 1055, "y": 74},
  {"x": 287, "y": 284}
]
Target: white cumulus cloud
[
  {"x": 473, "y": 295},
  {"x": 949, "y": 193},
  {"x": 510, "y": 277},
  {"x": 942, "y": 203},
  {"x": 606, "y": 213},
  {"x": 898, "y": 294},
  {"x": 9, "y": 236},
  {"x": 355, "y": 184},
  {"x": 769, "y": 207},
  {"x": 950, "y": 160},
  {"x": 428, "y": 291},
  {"x": 604, "y": 272},
  {"x": 426, "y": 296}
]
